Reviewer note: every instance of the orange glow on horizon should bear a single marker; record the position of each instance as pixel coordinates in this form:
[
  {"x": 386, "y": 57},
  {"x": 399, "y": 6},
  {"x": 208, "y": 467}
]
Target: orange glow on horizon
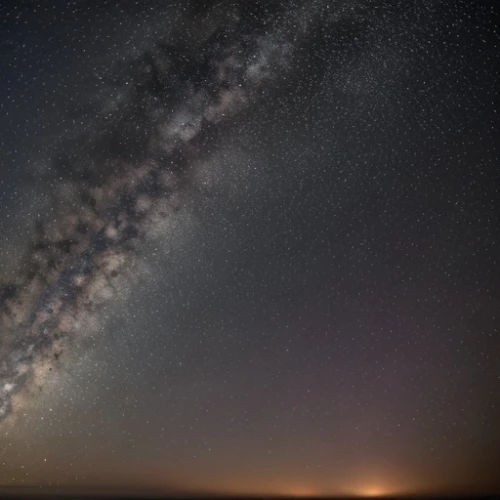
[{"x": 374, "y": 491}]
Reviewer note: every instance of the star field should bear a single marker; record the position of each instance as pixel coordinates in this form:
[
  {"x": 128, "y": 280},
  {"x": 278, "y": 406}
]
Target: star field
[{"x": 250, "y": 247}]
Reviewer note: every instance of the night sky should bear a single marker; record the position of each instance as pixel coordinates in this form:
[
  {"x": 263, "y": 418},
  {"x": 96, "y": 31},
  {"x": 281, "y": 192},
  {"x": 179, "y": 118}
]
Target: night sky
[{"x": 250, "y": 246}]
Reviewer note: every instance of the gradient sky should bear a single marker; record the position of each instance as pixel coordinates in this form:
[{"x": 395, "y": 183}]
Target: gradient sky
[{"x": 250, "y": 246}]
